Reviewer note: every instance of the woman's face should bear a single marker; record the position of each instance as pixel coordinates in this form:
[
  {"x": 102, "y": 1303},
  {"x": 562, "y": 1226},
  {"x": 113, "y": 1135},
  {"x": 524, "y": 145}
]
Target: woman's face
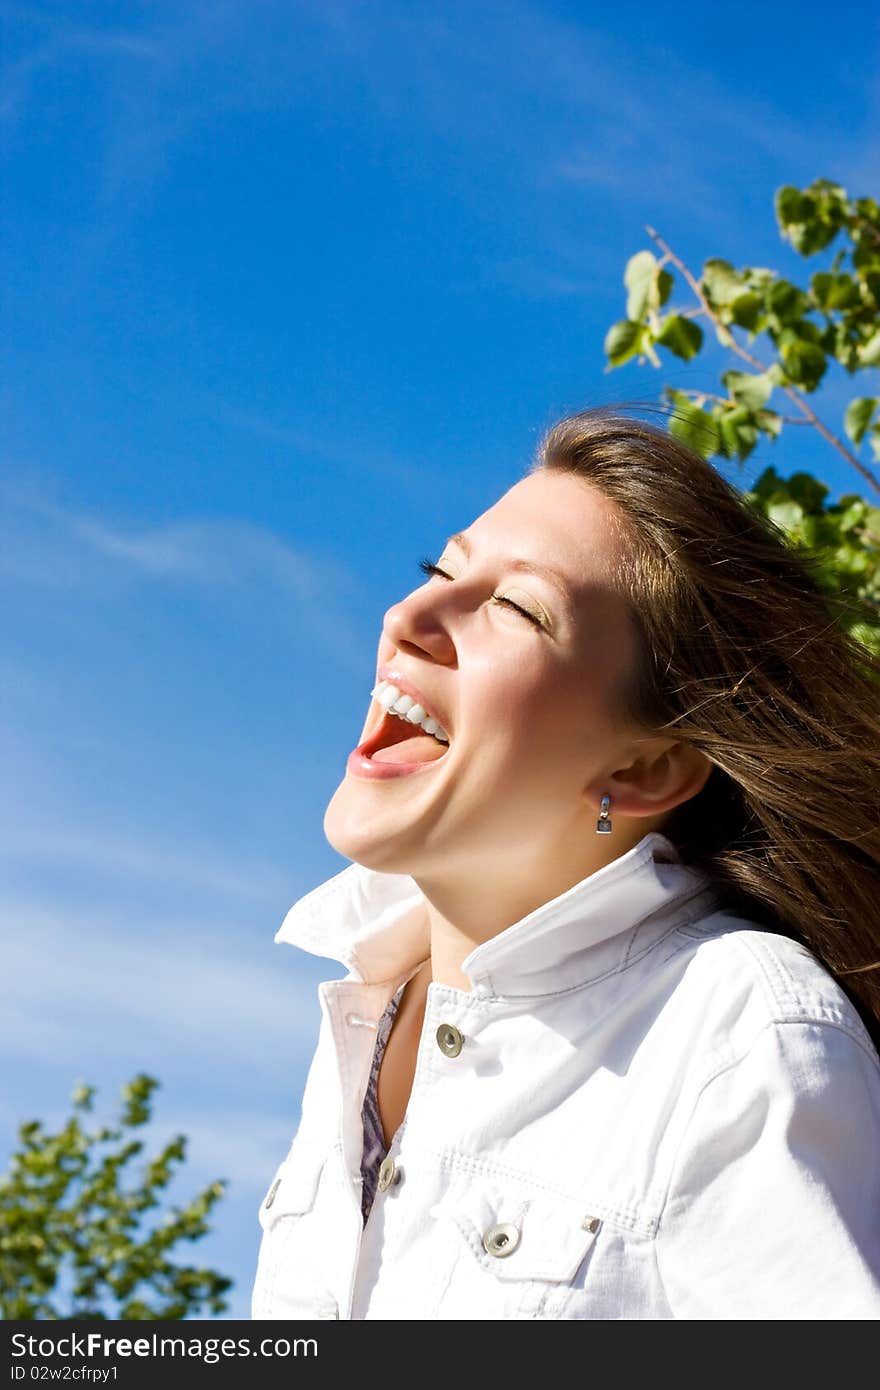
[{"x": 528, "y": 701}]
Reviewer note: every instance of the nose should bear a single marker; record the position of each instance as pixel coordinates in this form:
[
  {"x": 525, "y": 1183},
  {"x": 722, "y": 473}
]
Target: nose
[{"x": 418, "y": 624}]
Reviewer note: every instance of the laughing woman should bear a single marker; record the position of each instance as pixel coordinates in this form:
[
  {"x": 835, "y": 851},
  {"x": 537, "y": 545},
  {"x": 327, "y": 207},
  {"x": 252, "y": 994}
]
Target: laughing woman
[{"x": 606, "y": 1047}]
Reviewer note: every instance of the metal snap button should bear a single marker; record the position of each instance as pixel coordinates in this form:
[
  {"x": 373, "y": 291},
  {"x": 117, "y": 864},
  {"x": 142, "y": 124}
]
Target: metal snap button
[
  {"x": 501, "y": 1240},
  {"x": 272, "y": 1190},
  {"x": 388, "y": 1173},
  {"x": 449, "y": 1040}
]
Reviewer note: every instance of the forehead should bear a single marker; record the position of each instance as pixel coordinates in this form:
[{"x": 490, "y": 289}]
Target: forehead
[{"x": 556, "y": 519}]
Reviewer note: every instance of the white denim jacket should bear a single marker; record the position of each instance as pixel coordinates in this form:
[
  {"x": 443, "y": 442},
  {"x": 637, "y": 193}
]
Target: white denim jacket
[{"x": 657, "y": 1110}]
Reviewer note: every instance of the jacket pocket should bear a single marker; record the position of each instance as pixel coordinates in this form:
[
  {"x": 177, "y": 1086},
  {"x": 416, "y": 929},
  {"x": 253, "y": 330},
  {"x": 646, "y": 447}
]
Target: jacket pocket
[
  {"x": 293, "y": 1188},
  {"x": 521, "y": 1253},
  {"x": 290, "y": 1282}
]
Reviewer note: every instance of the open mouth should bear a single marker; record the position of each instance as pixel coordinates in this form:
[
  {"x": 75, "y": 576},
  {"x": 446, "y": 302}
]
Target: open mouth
[{"x": 396, "y": 740}]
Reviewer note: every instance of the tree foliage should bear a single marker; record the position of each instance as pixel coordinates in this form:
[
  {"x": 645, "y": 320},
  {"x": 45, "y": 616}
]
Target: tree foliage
[
  {"x": 72, "y": 1243},
  {"x": 800, "y": 331}
]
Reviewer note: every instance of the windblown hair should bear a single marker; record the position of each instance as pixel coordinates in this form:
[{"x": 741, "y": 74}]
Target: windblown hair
[{"x": 744, "y": 657}]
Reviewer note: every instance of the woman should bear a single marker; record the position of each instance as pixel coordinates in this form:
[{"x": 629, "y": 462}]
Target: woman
[{"x": 604, "y": 1048}]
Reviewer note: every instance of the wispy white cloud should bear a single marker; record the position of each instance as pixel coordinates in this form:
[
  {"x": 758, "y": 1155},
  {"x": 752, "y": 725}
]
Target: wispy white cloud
[
  {"x": 110, "y": 855},
  {"x": 574, "y": 117},
  {"x": 539, "y": 281},
  {"x": 38, "y": 40},
  {"x": 566, "y": 99},
  {"x": 56, "y": 547},
  {"x": 244, "y": 1146},
  {"x": 552, "y": 99},
  {"x": 215, "y": 551},
  {"x": 107, "y": 42},
  {"x": 79, "y": 986},
  {"x": 590, "y": 122}
]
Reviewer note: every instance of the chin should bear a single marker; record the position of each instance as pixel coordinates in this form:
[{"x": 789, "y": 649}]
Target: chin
[{"x": 359, "y": 838}]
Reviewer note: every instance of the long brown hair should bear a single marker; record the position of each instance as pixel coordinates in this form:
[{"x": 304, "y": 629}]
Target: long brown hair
[{"x": 743, "y": 657}]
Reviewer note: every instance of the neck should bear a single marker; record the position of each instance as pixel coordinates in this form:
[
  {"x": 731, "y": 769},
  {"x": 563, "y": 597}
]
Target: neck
[{"x": 463, "y": 913}]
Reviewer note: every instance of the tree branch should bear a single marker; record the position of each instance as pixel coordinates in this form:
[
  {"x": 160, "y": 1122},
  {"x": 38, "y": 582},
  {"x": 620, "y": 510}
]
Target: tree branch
[
  {"x": 868, "y": 535},
  {"x": 810, "y": 415}
]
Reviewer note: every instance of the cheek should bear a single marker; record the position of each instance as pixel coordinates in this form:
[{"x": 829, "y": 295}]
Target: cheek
[
  {"x": 557, "y": 737},
  {"x": 510, "y": 698},
  {"x": 535, "y": 737}
]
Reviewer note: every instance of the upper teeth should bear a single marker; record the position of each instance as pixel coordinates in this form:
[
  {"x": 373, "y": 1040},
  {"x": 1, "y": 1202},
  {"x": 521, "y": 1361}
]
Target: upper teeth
[{"x": 391, "y": 698}]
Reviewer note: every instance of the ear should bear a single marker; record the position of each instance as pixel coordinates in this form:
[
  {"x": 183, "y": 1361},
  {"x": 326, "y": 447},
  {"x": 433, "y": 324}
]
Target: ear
[{"x": 663, "y": 774}]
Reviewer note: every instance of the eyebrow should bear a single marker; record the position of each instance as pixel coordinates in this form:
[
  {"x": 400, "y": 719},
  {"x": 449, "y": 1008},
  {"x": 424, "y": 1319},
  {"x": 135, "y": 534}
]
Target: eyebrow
[{"x": 524, "y": 566}]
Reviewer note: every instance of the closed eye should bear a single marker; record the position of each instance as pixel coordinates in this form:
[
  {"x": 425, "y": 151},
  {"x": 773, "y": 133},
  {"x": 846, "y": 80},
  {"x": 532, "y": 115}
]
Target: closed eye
[{"x": 430, "y": 569}]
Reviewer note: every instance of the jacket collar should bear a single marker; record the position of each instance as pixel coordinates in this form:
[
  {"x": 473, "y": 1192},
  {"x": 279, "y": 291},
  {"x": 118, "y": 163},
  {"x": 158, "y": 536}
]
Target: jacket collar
[{"x": 374, "y": 924}]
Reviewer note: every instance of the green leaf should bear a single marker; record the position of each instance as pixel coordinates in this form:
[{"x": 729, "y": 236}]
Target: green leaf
[
  {"x": 869, "y": 352},
  {"x": 842, "y": 343},
  {"x": 786, "y": 513},
  {"x": 846, "y": 293},
  {"x": 787, "y": 302},
  {"x": 858, "y": 417},
  {"x": 835, "y": 291},
  {"x": 852, "y": 559},
  {"x": 866, "y": 255},
  {"x": 739, "y": 434},
  {"x": 808, "y": 331},
  {"x": 622, "y": 341},
  {"x": 769, "y": 422},
  {"x": 638, "y": 277},
  {"x": 682, "y": 336},
  {"x": 853, "y": 515},
  {"x": 693, "y": 426},
  {"x": 866, "y": 634},
  {"x": 765, "y": 486},
  {"x": 746, "y": 309},
  {"x": 82, "y": 1096},
  {"x": 827, "y": 191},
  {"x": 664, "y": 287},
  {"x": 870, "y": 281},
  {"x": 792, "y": 206},
  {"x": 812, "y": 236},
  {"x": 721, "y": 282},
  {"x": 748, "y": 390},
  {"x": 811, "y": 219},
  {"x": 807, "y": 490},
  {"x": 759, "y": 278},
  {"x": 822, "y": 284},
  {"x": 805, "y": 363}
]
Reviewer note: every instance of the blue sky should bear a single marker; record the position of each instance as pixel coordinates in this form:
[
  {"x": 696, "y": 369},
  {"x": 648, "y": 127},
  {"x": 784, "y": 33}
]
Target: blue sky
[{"x": 291, "y": 291}]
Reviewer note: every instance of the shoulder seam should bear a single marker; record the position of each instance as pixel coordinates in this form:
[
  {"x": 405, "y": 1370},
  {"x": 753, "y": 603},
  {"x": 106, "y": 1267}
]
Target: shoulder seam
[{"x": 783, "y": 1003}]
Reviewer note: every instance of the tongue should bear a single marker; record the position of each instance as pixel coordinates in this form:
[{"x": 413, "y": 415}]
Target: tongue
[{"x": 421, "y": 748}]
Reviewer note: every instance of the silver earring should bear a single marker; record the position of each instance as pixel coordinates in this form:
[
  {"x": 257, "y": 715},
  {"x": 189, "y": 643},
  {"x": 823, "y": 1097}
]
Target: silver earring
[{"x": 603, "y": 824}]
